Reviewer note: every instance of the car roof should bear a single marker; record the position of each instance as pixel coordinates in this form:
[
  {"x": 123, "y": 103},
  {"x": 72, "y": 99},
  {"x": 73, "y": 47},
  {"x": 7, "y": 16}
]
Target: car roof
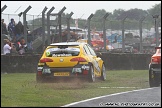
[{"x": 67, "y": 43}]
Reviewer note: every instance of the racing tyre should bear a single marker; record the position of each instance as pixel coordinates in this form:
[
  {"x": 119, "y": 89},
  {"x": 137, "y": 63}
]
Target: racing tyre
[
  {"x": 153, "y": 82},
  {"x": 91, "y": 74},
  {"x": 103, "y": 73}
]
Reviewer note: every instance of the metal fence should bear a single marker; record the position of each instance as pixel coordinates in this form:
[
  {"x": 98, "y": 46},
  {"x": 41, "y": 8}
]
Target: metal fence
[
  {"x": 33, "y": 21},
  {"x": 130, "y": 33},
  {"x": 122, "y": 29}
]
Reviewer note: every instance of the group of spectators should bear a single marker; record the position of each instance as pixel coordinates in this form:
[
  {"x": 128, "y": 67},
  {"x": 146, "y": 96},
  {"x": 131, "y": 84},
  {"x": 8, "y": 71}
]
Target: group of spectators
[
  {"x": 20, "y": 47},
  {"x": 16, "y": 42}
]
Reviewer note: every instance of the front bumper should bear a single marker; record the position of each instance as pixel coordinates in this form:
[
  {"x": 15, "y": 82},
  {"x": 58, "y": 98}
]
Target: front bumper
[
  {"x": 156, "y": 68},
  {"x": 155, "y": 71}
]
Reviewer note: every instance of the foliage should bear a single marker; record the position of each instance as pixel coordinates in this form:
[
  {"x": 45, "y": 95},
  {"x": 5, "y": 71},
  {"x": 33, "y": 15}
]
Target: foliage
[{"x": 114, "y": 19}]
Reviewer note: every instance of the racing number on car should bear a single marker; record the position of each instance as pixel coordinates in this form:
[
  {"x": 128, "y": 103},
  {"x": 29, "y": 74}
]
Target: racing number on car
[{"x": 47, "y": 54}]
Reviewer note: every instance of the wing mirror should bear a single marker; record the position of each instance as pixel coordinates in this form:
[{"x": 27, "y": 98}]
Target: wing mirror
[{"x": 99, "y": 54}]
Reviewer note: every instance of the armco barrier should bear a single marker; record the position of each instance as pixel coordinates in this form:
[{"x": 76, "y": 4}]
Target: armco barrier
[
  {"x": 28, "y": 63},
  {"x": 19, "y": 63},
  {"x": 126, "y": 61}
]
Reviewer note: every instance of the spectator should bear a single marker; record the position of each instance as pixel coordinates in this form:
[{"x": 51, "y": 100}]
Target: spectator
[
  {"x": 7, "y": 47},
  {"x": 29, "y": 41},
  {"x": 135, "y": 50},
  {"x": 4, "y": 28},
  {"x": 19, "y": 30},
  {"x": 64, "y": 36},
  {"x": 11, "y": 28},
  {"x": 14, "y": 41},
  {"x": 52, "y": 36},
  {"x": 21, "y": 46}
]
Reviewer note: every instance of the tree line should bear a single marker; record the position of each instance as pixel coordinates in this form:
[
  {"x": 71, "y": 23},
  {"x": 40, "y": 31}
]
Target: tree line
[{"x": 113, "y": 21}]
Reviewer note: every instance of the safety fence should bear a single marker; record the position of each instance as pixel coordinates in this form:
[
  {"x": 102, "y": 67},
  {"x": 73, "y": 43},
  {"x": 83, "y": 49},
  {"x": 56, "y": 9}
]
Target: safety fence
[
  {"x": 112, "y": 61},
  {"x": 117, "y": 31}
]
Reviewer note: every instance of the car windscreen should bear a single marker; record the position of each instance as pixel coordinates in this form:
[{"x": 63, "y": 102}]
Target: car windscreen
[{"x": 62, "y": 51}]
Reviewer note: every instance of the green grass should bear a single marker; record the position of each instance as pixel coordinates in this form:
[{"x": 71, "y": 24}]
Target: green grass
[{"x": 21, "y": 89}]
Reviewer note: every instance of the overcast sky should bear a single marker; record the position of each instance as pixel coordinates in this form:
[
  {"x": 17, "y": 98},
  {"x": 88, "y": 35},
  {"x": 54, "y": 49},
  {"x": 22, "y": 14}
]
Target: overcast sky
[{"x": 81, "y": 9}]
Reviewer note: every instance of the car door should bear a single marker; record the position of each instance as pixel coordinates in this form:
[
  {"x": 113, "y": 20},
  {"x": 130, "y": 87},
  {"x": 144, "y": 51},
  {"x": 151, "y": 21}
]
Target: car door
[{"x": 95, "y": 59}]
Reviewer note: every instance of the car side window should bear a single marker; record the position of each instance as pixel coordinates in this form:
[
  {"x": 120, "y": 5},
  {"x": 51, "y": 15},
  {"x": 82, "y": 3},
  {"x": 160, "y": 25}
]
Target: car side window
[
  {"x": 86, "y": 50},
  {"x": 91, "y": 50}
]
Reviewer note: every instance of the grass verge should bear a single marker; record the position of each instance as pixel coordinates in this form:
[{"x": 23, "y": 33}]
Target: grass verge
[{"x": 21, "y": 89}]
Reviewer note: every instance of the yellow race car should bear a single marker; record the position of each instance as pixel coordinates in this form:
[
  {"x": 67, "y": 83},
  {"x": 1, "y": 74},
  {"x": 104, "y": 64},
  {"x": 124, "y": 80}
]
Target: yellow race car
[{"x": 70, "y": 59}]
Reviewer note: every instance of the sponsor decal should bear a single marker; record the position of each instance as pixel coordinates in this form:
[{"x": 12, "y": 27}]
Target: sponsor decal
[
  {"x": 85, "y": 67},
  {"x": 76, "y": 70},
  {"x": 47, "y": 54},
  {"x": 61, "y": 55},
  {"x": 46, "y": 71},
  {"x": 39, "y": 68},
  {"x": 61, "y": 60}
]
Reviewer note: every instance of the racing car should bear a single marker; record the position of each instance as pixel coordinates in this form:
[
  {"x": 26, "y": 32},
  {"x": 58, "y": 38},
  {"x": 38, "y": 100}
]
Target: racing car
[{"x": 70, "y": 60}]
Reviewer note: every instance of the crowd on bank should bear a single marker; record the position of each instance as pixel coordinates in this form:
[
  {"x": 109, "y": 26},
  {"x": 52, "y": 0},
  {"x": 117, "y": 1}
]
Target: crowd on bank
[{"x": 16, "y": 42}]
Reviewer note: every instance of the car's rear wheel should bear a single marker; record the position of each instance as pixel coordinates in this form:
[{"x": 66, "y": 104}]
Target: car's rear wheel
[
  {"x": 91, "y": 77},
  {"x": 103, "y": 73},
  {"x": 153, "y": 81}
]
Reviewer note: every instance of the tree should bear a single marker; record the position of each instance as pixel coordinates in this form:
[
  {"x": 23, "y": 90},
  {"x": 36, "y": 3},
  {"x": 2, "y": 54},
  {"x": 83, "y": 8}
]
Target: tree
[
  {"x": 100, "y": 13},
  {"x": 113, "y": 20},
  {"x": 117, "y": 13},
  {"x": 133, "y": 14},
  {"x": 155, "y": 10}
]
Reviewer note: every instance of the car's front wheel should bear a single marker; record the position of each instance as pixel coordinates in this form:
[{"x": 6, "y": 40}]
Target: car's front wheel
[
  {"x": 91, "y": 74},
  {"x": 153, "y": 81}
]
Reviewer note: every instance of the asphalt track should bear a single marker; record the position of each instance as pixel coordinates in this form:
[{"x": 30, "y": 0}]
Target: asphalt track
[{"x": 149, "y": 97}]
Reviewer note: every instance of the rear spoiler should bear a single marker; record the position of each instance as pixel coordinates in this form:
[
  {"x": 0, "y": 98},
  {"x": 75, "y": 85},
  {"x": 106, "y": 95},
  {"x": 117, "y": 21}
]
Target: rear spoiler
[{"x": 64, "y": 46}]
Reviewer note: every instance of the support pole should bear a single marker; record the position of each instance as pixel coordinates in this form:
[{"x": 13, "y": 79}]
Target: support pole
[
  {"x": 89, "y": 29},
  {"x": 25, "y": 22},
  {"x": 140, "y": 31},
  {"x": 2, "y": 9},
  {"x": 68, "y": 26},
  {"x": 60, "y": 28},
  {"x": 48, "y": 25},
  {"x": 156, "y": 29},
  {"x": 104, "y": 30},
  {"x": 43, "y": 27},
  {"x": 123, "y": 35}
]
